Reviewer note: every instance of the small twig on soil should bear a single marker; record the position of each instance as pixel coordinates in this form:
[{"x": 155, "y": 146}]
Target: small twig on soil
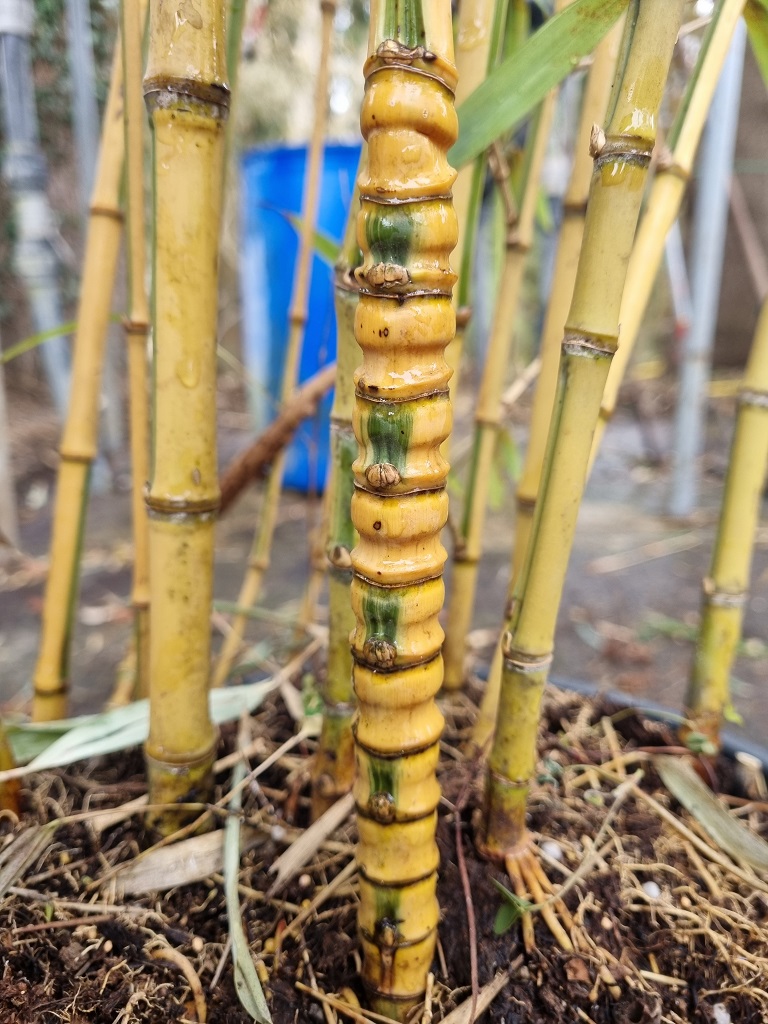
[
  {"x": 71, "y": 922},
  {"x": 163, "y": 952},
  {"x": 223, "y": 961},
  {"x": 359, "y": 1015},
  {"x": 303, "y": 849},
  {"x": 426, "y": 1017},
  {"x": 463, "y": 1013},
  {"x": 664, "y": 979},
  {"x": 466, "y": 887},
  {"x": 323, "y": 894}
]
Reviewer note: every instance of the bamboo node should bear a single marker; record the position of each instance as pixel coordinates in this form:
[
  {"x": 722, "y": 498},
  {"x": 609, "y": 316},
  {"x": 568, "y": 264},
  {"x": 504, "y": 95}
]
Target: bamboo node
[
  {"x": 339, "y": 557},
  {"x": 589, "y": 347},
  {"x": 519, "y": 662},
  {"x": 596, "y": 141},
  {"x": 379, "y": 652},
  {"x": 382, "y": 807},
  {"x": 751, "y": 397},
  {"x": 382, "y": 475},
  {"x": 390, "y": 51},
  {"x": 722, "y": 598},
  {"x": 386, "y": 275}
]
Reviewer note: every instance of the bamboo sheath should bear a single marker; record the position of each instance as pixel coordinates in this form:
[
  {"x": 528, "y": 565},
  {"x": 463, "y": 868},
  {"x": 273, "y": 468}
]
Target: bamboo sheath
[
  {"x": 258, "y": 560},
  {"x": 79, "y": 440},
  {"x": 672, "y": 175},
  {"x": 593, "y": 107},
  {"x": 622, "y": 154},
  {"x": 725, "y": 590},
  {"x": 333, "y": 768},
  {"x": 137, "y": 333},
  {"x": 469, "y": 549},
  {"x": 404, "y": 321},
  {"x": 186, "y": 92}
]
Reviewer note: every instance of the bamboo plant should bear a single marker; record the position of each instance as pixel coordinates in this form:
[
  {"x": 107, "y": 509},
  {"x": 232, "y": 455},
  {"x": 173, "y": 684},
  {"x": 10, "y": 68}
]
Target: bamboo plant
[
  {"x": 137, "y": 334},
  {"x": 258, "y": 560},
  {"x": 622, "y": 154},
  {"x": 185, "y": 87},
  {"x": 404, "y": 321},
  {"x": 469, "y": 548},
  {"x": 594, "y": 103},
  {"x": 79, "y": 440},
  {"x": 333, "y": 768},
  {"x": 725, "y": 590},
  {"x": 672, "y": 175}
]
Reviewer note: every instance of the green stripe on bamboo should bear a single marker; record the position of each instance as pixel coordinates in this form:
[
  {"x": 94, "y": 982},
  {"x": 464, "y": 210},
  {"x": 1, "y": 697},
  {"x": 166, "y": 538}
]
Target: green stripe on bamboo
[
  {"x": 725, "y": 590},
  {"x": 404, "y": 322},
  {"x": 666, "y": 194},
  {"x": 79, "y": 440},
  {"x": 622, "y": 154},
  {"x": 186, "y": 91}
]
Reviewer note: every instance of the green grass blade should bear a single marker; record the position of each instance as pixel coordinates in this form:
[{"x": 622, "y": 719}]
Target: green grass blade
[
  {"x": 512, "y": 91},
  {"x": 247, "y": 984}
]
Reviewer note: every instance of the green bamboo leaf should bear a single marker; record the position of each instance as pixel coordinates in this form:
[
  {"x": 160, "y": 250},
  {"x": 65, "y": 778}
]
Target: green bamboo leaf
[
  {"x": 120, "y": 728},
  {"x": 756, "y": 17},
  {"x": 247, "y": 984},
  {"x": 510, "y": 911},
  {"x": 33, "y": 340},
  {"x": 327, "y": 248},
  {"x": 522, "y": 81},
  {"x": 728, "y": 832}
]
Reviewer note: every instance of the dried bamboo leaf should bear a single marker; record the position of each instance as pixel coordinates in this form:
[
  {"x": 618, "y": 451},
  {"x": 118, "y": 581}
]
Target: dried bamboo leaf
[
  {"x": 247, "y": 984},
  {"x": 16, "y": 857},
  {"x": 302, "y": 849},
  {"x": 179, "y": 864},
  {"x": 486, "y": 995},
  {"x": 725, "y": 830},
  {"x": 120, "y": 728}
]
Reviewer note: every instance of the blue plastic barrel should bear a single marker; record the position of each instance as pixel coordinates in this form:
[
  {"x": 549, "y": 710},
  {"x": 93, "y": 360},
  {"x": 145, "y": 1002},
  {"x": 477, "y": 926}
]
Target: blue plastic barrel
[{"x": 272, "y": 184}]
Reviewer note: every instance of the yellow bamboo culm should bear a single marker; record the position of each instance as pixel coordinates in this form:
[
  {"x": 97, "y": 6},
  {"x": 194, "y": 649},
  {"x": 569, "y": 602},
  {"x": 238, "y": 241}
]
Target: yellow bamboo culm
[
  {"x": 80, "y": 437},
  {"x": 474, "y": 33},
  {"x": 333, "y": 767},
  {"x": 258, "y": 560},
  {"x": 666, "y": 194},
  {"x": 622, "y": 154},
  {"x": 136, "y": 682},
  {"x": 186, "y": 92},
  {"x": 469, "y": 549},
  {"x": 405, "y": 320},
  {"x": 594, "y": 103},
  {"x": 725, "y": 590}
]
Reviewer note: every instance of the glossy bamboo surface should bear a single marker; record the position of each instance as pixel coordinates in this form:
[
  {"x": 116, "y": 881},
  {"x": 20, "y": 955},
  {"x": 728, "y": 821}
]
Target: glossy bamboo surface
[
  {"x": 187, "y": 97},
  {"x": 79, "y": 443},
  {"x": 404, "y": 321}
]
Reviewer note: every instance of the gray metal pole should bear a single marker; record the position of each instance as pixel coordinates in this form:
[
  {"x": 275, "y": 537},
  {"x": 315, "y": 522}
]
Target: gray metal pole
[
  {"x": 25, "y": 172},
  {"x": 709, "y": 227},
  {"x": 85, "y": 108}
]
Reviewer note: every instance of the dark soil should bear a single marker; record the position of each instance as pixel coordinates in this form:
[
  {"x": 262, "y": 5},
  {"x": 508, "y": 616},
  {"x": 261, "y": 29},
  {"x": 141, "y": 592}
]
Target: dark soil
[{"x": 62, "y": 963}]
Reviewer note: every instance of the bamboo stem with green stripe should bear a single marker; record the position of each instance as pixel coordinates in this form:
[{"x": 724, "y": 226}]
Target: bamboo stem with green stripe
[
  {"x": 137, "y": 334},
  {"x": 186, "y": 92},
  {"x": 726, "y": 589},
  {"x": 404, "y": 321},
  {"x": 333, "y": 768},
  {"x": 594, "y": 103},
  {"x": 622, "y": 154},
  {"x": 259, "y": 557},
  {"x": 671, "y": 179},
  {"x": 79, "y": 444},
  {"x": 469, "y": 548}
]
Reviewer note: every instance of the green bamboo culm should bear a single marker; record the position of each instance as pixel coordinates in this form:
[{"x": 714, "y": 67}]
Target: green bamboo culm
[
  {"x": 187, "y": 96},
  {"x": 725, "y": 590},
  {"x": 333, "y": 768},
  {"x": 404, "y": 321},
  {"x": 622, "y": 154},
  {"x": 488, "y": 409}
]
